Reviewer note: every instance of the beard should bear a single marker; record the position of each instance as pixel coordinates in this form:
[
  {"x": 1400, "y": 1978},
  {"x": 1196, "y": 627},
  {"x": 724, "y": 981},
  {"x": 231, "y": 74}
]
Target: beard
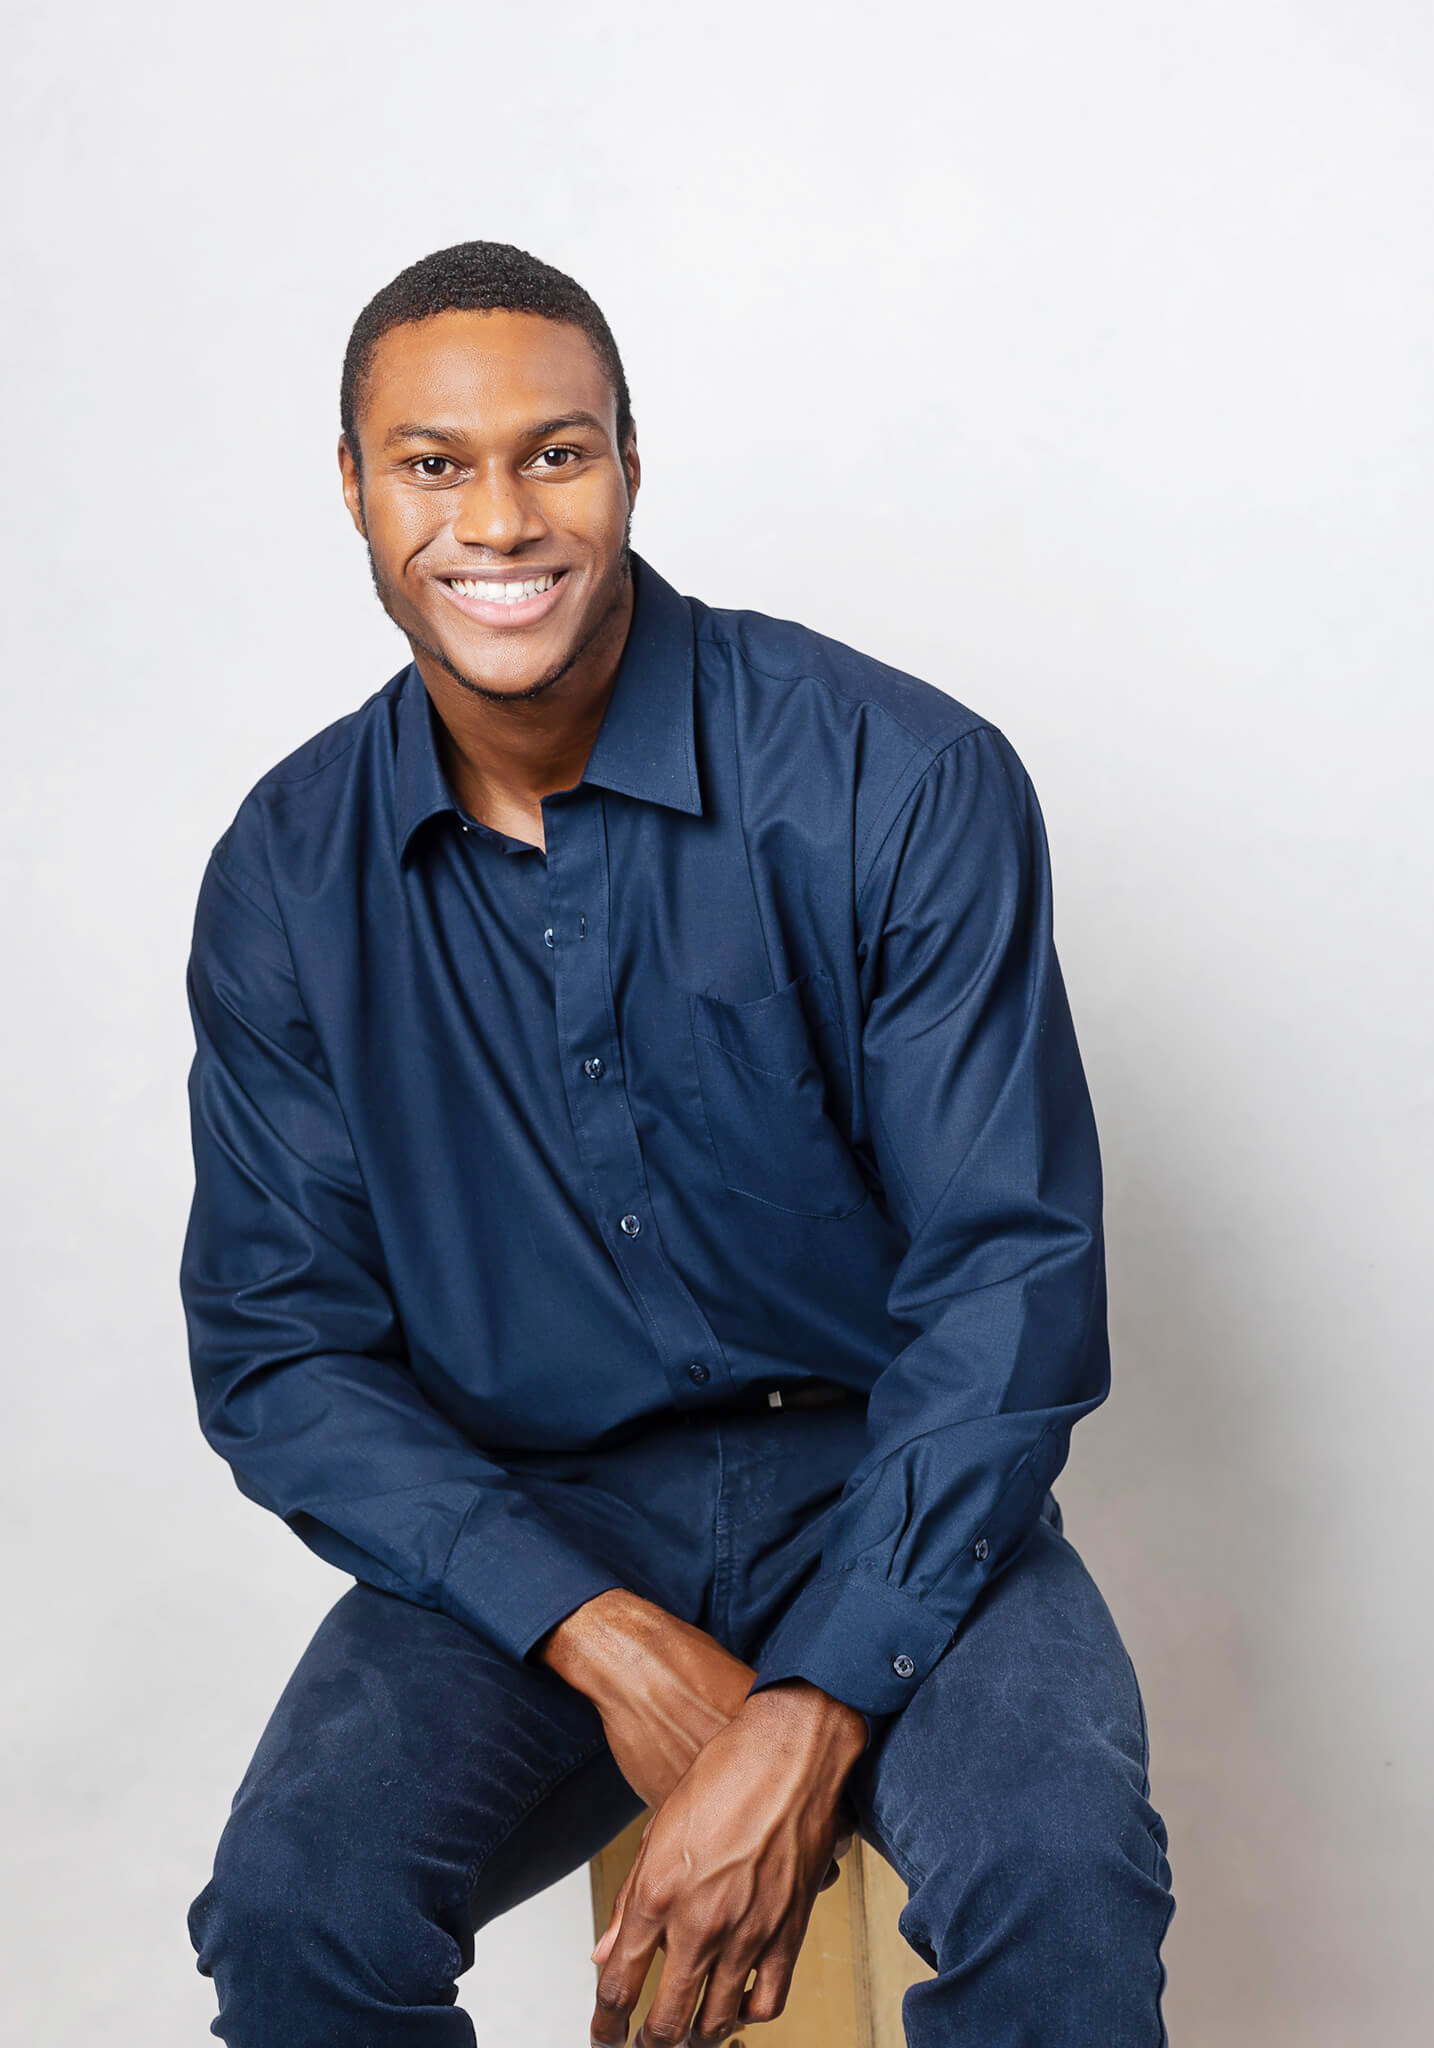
[{"x": 388, "y": 598}]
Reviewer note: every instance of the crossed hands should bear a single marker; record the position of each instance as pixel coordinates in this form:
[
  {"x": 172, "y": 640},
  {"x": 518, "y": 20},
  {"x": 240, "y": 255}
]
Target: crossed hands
[{"x": 749, "y": 1819}]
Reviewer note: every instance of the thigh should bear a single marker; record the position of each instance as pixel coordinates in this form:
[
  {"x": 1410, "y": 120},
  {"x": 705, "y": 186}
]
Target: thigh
[
  {"x": 1026, "y": 1739},
  {"x": 411, "y": 1767}
]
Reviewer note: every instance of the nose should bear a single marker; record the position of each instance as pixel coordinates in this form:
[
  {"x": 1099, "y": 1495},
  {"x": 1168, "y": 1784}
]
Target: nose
[{"x": 495, "y": 511}]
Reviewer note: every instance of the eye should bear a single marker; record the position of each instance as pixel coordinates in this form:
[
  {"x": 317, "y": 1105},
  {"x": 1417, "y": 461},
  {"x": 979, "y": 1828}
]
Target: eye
[
  {"x": 433, "y": 467},
  {"x": 558, "y": 457}
]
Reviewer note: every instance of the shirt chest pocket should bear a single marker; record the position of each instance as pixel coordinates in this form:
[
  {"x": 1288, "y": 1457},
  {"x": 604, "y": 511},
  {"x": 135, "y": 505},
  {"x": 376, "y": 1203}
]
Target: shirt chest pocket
[{"x": 765, "y": 1098}]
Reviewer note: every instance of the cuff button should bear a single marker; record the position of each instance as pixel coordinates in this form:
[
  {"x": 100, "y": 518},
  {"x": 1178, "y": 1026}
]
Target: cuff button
[
  {"x": 983, "y": 1550},
  {"x": 903, "y": 1666}
]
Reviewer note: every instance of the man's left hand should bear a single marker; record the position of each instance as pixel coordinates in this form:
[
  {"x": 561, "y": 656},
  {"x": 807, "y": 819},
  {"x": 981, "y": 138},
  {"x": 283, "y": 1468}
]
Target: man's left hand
[{"x": 727, "y": 1873}]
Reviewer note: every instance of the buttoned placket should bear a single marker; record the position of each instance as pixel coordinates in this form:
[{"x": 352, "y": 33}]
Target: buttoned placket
[{"x": 595, "y": 1080}]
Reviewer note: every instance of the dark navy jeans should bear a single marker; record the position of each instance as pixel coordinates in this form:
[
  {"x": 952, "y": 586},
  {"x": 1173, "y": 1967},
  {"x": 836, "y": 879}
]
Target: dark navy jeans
[{"x": 414, "y": 1782}]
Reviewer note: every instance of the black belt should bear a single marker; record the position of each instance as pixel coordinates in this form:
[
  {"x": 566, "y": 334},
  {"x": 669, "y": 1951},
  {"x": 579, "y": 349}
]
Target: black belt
[{"x": 803, "y": 1394}]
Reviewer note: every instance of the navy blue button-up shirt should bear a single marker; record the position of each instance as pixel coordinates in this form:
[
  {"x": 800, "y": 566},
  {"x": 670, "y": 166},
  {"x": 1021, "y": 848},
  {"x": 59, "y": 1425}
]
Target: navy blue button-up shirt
[{"x": 762, "y": 1072}]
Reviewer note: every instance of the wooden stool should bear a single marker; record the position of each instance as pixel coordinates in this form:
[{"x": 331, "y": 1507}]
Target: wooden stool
[{"x": 854, "y": 1965}]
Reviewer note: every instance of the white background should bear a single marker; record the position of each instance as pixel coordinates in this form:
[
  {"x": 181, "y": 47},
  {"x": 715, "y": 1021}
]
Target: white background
[{"x": 1076, "y": 356}]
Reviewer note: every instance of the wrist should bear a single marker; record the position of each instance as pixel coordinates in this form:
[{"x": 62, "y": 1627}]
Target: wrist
[
  {"x": 604, "y": 1637},
  {"x": 812, "y": 1717}
]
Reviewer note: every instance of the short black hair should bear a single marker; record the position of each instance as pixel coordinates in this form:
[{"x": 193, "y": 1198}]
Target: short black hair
[{"x": 477, "y": 277}]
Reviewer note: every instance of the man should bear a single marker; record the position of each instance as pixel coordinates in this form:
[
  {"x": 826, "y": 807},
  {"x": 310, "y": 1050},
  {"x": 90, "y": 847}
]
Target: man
[{"x": 647, "y": 1233}]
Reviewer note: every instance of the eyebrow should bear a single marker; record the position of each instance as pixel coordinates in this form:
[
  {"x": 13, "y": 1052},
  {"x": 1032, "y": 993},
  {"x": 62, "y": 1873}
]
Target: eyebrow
[
  {"x": 565, "y": 420},
  {"x": 409, "y": 430},
  {"x": 448, "y": 437}
]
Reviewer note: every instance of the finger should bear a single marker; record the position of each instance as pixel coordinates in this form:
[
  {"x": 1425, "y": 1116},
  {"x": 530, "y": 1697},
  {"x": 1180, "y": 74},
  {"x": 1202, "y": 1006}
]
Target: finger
[
  {"x": 609, "y": 1934},
  {"x": 669, "y": 2018},
  {"x": 606, "y": 1939},
  {"x": 623, "y": 1974},
  {"x": 717, "y": 2016},
  {"x": 769, "y": 1994}
]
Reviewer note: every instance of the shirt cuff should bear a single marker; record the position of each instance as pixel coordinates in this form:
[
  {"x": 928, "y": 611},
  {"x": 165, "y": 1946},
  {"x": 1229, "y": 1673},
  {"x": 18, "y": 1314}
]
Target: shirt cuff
[
  {"x": 515, "y": 1589},
  {"x": 860, "y": 1640}
]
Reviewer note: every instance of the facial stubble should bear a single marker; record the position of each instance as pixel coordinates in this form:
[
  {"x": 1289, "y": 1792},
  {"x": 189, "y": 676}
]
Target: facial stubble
[{"x": 386, "y": 596}]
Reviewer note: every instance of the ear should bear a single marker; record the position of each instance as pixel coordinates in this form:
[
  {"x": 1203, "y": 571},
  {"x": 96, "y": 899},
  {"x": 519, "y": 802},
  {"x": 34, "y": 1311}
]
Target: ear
[
  {"x": 353, "y": 488},
  {"x": 632, "y": 465}
]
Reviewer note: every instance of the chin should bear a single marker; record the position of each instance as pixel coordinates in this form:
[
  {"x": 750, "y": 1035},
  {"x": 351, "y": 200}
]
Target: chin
[{"x": 503, "y": 679}]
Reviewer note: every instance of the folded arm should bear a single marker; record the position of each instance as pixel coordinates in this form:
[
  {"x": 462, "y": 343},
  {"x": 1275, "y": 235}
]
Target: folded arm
[
  {"x": 982, "y": 1130},
  {"x": 300, "y": 1369}
]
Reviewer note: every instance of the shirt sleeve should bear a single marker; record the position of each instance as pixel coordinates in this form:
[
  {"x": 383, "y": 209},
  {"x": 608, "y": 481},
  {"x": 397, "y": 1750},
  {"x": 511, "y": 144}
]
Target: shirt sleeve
[
  {"x": 985, "y": 1143},
  {"x": 297, "y": 1352}
]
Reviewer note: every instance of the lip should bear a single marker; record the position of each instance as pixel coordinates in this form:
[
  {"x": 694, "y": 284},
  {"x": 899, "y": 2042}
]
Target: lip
[{"x": 526, "y": 612}]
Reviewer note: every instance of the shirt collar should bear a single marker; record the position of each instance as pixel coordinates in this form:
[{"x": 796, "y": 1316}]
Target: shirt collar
[{"x": 644, "y": 746}]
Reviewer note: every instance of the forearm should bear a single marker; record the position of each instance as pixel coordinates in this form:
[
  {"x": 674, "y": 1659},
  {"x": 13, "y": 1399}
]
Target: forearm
[
  {"x": 665, "y": 1688},
  {"x": 608, "y": 1644}
]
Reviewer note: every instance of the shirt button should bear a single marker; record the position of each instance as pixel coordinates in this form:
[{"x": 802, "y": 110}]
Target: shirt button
[
  {"x": 698, "y": 1373},
  {"x": 630, "y": 1225},
  {"x": 548, "y": 936},
  {"x": 983, "y": 1550},
  {"x": 903, "y": 1666},
  {"x": 594, "y": 1068}
]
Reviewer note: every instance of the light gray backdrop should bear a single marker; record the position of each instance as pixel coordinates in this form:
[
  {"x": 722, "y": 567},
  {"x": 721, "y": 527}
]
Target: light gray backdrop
[{"x": 1076, "y": 356}]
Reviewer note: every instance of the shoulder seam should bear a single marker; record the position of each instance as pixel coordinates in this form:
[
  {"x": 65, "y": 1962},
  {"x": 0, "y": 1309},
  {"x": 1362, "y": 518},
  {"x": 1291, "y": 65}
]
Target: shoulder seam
[
  {"x": 275, "y": 779},
  {"x": 902, "y": 791},
  {"x": 805, "y": 675},
  {"x": 231, "y": 874}
]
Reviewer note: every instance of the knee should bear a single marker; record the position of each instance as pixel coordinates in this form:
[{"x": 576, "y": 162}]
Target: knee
[
  {"x": 269, "y": 1866},
  {"x": 1073, "y": 1852},
  {"x": 1091, "y": 1827},
  {"x": 299, "y": 1903},
  {"x": 1035, "y": 1795}
]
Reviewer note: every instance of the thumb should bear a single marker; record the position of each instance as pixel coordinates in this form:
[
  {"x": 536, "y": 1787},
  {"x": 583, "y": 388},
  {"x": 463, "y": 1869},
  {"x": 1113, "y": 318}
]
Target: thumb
[{"x": 610, "y": 1932}]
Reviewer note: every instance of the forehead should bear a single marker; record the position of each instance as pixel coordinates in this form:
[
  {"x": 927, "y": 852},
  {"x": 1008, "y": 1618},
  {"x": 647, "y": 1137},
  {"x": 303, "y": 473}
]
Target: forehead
[{"x": 482, "y": 372}]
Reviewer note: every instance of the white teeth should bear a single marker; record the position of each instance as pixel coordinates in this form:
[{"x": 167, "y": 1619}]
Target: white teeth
[{"x": 501, "y": 593}]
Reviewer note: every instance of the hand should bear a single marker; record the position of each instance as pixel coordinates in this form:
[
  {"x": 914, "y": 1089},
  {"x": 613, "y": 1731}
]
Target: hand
[
  {"x": 662, "y": 1687},
  {"x": 727, "y": 1872}
]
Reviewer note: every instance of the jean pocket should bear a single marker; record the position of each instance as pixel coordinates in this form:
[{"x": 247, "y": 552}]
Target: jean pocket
[{"x": 765, "y": 1097}]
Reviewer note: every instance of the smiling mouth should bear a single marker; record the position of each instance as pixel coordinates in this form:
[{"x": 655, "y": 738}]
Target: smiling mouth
[{"x": 512, "y": 590}]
